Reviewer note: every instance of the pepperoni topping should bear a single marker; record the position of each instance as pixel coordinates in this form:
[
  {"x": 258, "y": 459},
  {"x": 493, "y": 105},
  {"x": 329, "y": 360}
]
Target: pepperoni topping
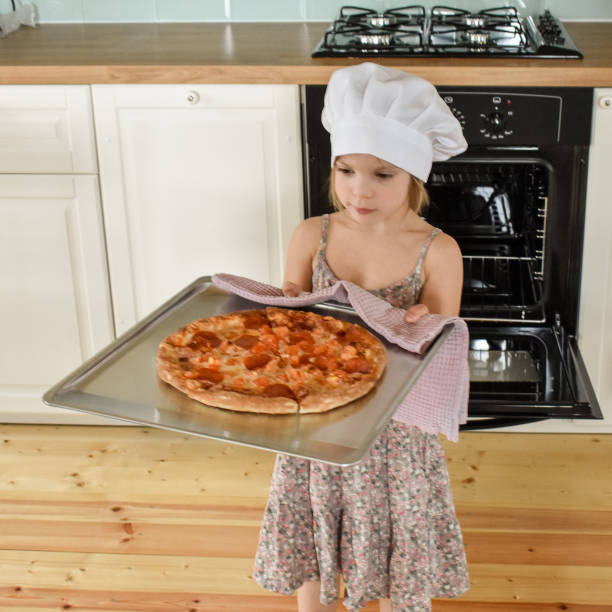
[
  {"x": 321, "y": 363},
  {"x": 255, "y": 321},
  {"x": 208, "y": 374},
  {"x": 300, "y": 336},
  {"x": 262, "y": 381},
  {"x": 248, "y": 341},
  {"x": 204, "y": 339},
  {"x": 278, "y": 390},
  {"x": 357, "y": 364},
  {"x": 260, "y": 347},
  {"x": 256, "y": 361},
  {"x": 238, "y": 383},
  {"x": 354, "y": 334},
  {"x": 305, "y": 346}
]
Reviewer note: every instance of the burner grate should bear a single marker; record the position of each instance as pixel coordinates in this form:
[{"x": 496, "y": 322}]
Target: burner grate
[
  {"x": 443, "y": 30},
  {"x": 498, "y": 29},
  {"x": 358, "y": 35},
  {"x": 404, "y": 15}
]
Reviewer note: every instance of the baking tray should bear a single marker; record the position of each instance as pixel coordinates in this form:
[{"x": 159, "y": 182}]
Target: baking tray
[{"x": 121, "y": 382}]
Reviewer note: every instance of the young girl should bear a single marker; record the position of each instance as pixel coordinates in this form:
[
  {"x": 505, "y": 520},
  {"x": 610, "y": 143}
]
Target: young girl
[{"x": 387, "y": 524}]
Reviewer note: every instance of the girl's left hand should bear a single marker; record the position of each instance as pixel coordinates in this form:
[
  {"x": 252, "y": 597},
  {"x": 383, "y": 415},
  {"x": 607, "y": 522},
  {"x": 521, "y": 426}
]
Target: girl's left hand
[
  {"x": 414, "y": 313},
  {"x": 291, "y": 289}
]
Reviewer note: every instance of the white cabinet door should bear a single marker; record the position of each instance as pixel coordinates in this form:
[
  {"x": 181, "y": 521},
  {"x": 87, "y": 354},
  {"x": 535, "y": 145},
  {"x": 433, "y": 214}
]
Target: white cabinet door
[
  {"x": 46, "y": 129},
  {"x": 195, "y": 180},
  {"x": 54, "y": 293},
  {"x": 595, "y": 321}
]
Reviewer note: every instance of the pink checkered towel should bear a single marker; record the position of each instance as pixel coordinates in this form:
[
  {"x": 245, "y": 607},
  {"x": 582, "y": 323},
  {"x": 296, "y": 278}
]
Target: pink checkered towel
[{"x": 437, "y": 403}]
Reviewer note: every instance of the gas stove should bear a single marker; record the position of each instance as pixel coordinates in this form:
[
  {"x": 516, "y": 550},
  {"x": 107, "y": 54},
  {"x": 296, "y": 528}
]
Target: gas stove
[{"x": 445, "y": 31}]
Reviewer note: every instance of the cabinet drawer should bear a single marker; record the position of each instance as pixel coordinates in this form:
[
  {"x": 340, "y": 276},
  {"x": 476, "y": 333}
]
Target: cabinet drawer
[
  {"x": 46, "y": 129},
  {"x": 191, "y": 96}
]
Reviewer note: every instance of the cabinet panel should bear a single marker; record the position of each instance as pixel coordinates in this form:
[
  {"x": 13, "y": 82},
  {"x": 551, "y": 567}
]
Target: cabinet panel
[
  {"x": 46, "y": 129},
  {"x": 54, "y": 293},
  {"x": 595, "y": 321},
  {"x": 195, "y": 180}
]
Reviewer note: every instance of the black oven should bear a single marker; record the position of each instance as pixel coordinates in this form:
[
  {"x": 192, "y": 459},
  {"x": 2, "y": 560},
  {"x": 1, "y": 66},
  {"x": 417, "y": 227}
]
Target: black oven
[{"x": 515, "y": 203}]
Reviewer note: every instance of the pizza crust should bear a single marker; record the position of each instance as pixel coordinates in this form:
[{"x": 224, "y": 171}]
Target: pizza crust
[{"x": 230, "y": 400}]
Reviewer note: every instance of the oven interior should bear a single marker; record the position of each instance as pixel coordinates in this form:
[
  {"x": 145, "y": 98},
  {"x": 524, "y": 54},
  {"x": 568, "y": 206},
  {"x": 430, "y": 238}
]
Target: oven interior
[{"x": 497, "y": 212}]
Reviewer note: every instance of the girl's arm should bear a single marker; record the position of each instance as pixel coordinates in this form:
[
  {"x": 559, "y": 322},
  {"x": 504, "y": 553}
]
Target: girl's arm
[
  {"x": 443, "y": 272},
  {"x": 300, "y": 255}
]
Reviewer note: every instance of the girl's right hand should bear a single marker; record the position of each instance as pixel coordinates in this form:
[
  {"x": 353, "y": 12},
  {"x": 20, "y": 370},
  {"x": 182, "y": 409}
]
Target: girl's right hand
[
  {"x": 414, "y": 313},
  {"x": 291, "y": 289}
]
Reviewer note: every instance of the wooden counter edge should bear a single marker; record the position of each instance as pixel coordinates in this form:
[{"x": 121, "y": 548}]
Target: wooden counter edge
[{"x": 528, "y": 76}]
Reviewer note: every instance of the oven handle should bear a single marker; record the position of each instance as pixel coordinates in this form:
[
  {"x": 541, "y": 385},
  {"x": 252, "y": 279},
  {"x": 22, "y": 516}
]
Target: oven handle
[{"x": 497, "y": 422}]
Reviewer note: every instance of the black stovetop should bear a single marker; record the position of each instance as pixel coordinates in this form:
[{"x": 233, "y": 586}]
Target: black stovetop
[{"x": 445, "y": 31}]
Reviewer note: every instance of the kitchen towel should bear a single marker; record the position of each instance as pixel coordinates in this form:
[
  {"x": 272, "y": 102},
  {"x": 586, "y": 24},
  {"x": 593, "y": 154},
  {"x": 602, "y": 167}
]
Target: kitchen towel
[
  {"x": 23, "y": 13},
  {"x": 437, "y": 403}
]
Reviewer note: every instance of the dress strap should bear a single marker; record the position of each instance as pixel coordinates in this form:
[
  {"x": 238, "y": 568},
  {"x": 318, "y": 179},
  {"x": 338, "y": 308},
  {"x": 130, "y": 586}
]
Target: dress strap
[
  {"x": 324, "y": 230},
  {"x": 434, "y": 232}
]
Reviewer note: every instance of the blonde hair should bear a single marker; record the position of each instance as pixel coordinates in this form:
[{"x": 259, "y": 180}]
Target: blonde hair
[{"x": 418, "y": 198}]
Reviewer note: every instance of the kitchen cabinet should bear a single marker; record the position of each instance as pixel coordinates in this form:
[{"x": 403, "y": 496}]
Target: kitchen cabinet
[
  {"x": 54, "y": 292},
  {"x": 195, "y": 180},
  {"x": 55, "y": 295},
  {"x": 595, "y": 321}
]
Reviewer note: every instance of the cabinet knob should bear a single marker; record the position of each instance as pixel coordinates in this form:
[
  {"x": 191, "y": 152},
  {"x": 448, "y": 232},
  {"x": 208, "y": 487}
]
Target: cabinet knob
[
  {"x": 605, "y": 101},
  {"x": 193, "y": 97}
]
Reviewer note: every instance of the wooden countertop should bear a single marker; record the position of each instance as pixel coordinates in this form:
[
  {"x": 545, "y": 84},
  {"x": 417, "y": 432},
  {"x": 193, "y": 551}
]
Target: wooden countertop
[{"x": 260, "y": 53}]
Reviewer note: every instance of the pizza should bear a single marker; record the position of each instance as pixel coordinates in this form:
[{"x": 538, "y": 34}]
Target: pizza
[{"x": 272, "y": 360}]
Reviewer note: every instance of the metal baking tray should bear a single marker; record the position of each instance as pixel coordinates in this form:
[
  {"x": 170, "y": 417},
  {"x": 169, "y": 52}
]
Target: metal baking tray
[{"x": 121, "y": 382}]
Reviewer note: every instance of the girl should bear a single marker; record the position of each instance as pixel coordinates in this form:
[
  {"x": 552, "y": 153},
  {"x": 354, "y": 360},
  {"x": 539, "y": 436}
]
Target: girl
[{"x": 386, "y": 525}]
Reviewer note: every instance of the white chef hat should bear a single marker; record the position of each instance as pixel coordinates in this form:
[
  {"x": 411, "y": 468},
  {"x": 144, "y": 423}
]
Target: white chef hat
[{"x": 391, "y": 114}]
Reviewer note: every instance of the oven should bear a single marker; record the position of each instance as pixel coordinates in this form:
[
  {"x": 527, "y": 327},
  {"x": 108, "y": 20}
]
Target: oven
[{"x": 515, "y": 203}]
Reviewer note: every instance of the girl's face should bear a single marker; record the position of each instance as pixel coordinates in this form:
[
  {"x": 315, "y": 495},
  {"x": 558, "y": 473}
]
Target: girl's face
[{"x": 370, "y": 188}]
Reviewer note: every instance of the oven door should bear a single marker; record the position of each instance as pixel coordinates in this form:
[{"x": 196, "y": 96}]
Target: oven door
[{"x": 526, "y": 374}]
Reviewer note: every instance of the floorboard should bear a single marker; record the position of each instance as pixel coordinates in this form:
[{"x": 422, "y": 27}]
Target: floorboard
[{"x": 130, "y": 519}]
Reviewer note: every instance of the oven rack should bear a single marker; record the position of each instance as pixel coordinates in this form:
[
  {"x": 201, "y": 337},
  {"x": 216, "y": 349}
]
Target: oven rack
[{"x": 502, "y": 289}]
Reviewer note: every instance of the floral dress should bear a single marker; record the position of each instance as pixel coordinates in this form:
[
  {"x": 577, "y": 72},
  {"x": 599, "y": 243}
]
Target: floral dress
[{"x": 386, "y": 524}]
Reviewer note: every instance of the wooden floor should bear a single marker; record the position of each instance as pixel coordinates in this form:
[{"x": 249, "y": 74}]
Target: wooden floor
[{"x": 134, "y": 519}]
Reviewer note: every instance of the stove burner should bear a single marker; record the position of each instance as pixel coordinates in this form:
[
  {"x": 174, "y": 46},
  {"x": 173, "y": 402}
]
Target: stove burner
[
  {"x": 410, "y": 30},
  {"x": 475, "y": 21},
  {"x": 382, "y": 20},
  {"x": 375, "y": 39},
  {"x": 478, "y": 38}
]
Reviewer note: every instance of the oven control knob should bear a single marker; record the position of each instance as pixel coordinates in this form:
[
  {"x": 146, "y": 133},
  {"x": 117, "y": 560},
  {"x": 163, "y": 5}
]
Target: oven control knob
[{"x": 496, "y": 121}]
